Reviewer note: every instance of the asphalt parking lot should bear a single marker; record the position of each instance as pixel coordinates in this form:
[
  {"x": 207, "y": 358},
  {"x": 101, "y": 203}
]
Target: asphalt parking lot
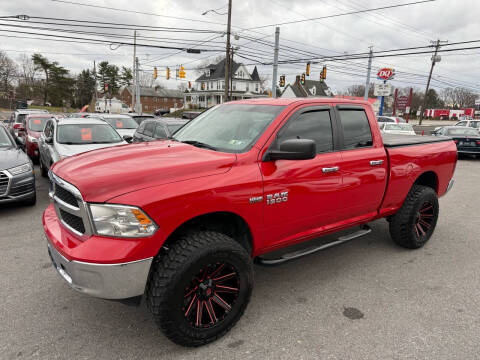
[{"x": 367, "y": 299}]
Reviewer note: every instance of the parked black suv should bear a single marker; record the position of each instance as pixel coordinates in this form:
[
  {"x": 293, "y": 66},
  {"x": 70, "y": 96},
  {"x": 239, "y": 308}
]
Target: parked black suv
[{"x": 157, "y": 129}]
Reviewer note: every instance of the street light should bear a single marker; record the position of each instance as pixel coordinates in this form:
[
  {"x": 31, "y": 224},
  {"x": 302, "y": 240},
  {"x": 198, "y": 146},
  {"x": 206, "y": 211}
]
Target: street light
[{"x": 215, "y": 11}]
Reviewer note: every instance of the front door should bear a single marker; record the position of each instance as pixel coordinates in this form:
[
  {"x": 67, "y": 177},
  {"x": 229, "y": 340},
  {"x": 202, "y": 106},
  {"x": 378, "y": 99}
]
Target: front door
[{"x": 301, "y": 196}]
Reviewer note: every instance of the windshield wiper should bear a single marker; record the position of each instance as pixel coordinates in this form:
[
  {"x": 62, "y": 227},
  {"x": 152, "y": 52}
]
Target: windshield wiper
[{"x": 199, "y": 144}]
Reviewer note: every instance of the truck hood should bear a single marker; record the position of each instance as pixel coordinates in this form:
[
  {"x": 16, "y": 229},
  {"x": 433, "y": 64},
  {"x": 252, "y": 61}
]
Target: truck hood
[
  {"x": 103, "y": 174},
  {"x": 11, "y": 157},
  {"x": 70, "y": 150}
]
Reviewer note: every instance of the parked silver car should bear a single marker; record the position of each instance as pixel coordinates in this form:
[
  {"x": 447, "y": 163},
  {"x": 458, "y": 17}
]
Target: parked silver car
[
  {"x": 17, "y": 179},
  {"x": 66, "y": 137},
  {"x": 124, "y": 124}
]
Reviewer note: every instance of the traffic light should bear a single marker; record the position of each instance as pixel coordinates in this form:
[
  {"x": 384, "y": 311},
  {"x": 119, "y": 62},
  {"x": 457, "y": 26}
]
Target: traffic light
[
  {"x": 307, "y": 71},
  {"x": 282, "y": 81},
  {"x": 302, "y": 80},
  {"x": 181, "y": 73},
  {"x": 155, "y": 72},
  {"x": 168, "y": 73},
  {"x": 323, "y": 74}
]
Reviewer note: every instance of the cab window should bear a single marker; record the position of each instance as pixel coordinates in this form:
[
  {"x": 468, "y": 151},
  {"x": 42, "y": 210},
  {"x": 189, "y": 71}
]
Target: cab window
[
  {"x": 149, "y": 128},
  {"x": 356, "y": 128},
  {"x": 314, "y": 125}
]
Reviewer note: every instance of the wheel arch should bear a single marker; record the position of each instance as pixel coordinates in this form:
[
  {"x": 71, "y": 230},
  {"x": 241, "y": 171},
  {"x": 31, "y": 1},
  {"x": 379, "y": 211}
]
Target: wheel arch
[
  {"x": 225, "y": 222},
  {"x": 428, "y": 178}
]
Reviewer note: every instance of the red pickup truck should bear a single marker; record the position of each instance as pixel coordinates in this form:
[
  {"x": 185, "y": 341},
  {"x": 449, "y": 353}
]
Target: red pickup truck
[{"x": 179, "y": 221}]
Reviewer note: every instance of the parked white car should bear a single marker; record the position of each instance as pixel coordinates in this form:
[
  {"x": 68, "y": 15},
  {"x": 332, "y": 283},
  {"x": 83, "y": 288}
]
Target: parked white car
[
  {"x": 390, "y": 119},
  {"x": 400, "y": 129},
  {"x": 124, "y": 124},
  {"x": 469, "y": 123},
  {"x": 66, "y": 137}
]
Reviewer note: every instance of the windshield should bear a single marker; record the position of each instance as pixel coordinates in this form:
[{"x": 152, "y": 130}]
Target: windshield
[
  {"x": 37, "y": 124},
  {"x": 5, "y": 140},
  {"x": 471, "y": 132},
  {"x": 122, "y": 123},
  {"x": 87, "y": 134},
  {"x": 229, "y": 128},
  {"x": 399, "y": 127}
]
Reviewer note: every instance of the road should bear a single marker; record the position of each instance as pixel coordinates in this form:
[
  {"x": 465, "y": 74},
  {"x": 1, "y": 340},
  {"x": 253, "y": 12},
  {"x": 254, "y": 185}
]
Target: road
[{"x": 367, "y": 299}]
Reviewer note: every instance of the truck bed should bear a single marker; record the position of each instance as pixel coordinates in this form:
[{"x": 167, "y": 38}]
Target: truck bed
[{"x": 393, "y": 140}]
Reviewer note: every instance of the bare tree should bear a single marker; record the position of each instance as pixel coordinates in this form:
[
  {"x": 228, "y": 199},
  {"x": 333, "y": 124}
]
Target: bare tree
[
  {"x": 359, "y": 90},
  {"x": 8, "y": 72},
  {"x": 26, "y": 81},
  {"x": 463, "y": 97},
  {"x": 200, "y": 68},
  {"x": 145, "y": 79}
]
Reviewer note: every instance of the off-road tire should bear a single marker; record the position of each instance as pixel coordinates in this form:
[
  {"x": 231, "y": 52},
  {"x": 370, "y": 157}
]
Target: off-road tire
[
  {"x": 403, "y": 224},
  {"x": 43, "y": 169},
  {"x": 173, "y": 271}
]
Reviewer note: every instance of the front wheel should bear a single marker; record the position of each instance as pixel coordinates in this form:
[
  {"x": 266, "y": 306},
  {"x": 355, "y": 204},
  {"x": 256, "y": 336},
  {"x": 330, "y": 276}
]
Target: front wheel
[
  {"x": 413, "y": 225},
  {"x": 200, "y": 287}
]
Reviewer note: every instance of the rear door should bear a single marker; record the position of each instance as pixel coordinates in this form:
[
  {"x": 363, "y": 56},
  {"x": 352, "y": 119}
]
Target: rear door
[
  {"x": 363, "y": 166},
  {"x": 301, "y": 196}
]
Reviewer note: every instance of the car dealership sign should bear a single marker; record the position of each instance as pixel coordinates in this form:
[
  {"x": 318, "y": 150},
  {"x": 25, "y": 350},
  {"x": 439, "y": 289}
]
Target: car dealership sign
[{"x": 386, "y": 74}]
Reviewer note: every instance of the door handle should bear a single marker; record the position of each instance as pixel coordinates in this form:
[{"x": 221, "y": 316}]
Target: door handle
[
  {"x": 376, "y": 162},
  {"x": 330, "y": 169}
]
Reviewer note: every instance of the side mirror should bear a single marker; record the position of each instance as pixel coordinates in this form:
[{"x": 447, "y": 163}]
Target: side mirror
[
  {"x": 19, "y": 141},
  {"x": 293, "y": 149},
  {"x": 49, "y": 140},
  {"x": 128, "y": 138}
]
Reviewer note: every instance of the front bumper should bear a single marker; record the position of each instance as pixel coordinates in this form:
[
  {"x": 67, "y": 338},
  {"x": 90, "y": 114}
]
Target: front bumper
[{"x": 106, "y": 281}]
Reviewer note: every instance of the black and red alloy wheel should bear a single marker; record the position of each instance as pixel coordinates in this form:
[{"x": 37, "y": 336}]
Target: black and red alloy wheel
[
  {"x": 211, "y": 295},
  {"x": 424, "y": 219}
]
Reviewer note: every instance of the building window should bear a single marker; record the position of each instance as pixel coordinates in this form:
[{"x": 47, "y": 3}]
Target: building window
[
  {"x": 256, "y": 87},
  {"x": 223, "y": 85},
  {"x": 247, "y": 87},
  {"x": 234, "y": 85}
]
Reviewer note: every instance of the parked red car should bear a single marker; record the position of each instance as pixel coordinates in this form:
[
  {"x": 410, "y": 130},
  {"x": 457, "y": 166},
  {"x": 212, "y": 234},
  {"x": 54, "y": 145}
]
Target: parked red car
[
  {"x": 179, "y": 221},
  {"x": 31, "y": 129}
]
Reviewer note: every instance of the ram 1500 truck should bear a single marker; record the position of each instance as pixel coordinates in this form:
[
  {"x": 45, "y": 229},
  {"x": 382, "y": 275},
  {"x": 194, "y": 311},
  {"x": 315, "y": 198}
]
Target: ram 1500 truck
[{"x": 180, "y": 221}]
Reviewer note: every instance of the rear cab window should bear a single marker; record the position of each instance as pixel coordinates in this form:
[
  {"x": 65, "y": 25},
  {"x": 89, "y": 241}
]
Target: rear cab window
[{"x": 355, "y": 128}]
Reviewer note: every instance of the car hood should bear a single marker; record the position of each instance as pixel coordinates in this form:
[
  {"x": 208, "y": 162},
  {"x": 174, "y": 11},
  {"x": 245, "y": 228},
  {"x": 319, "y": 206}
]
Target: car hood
[
  {"x": 66, "y": 150},
  {"x": 123, "y": 132},
  {"x": 104, "y": 174},
  {"x": 11, "y": 157}
]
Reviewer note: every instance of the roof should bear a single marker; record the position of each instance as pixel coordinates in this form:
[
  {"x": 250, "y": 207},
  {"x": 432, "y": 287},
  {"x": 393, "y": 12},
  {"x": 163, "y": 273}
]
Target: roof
[
  {"x": 110, "y": 116},
  {"x": 290, "y": 101},
  {"x": 31, "y": 111},
  {"x": 157, "y": 92},
  {"x": 219, "y": 71},
  {"x": 40, "y": 115},
  {"x": 80, "y": 121},
  {"x": 169, "y": 121}
]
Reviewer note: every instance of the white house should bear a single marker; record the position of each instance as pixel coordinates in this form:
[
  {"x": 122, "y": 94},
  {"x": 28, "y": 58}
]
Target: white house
[
  {"x": 113, "y": 106},
  {"x": 209, "y": 89}
]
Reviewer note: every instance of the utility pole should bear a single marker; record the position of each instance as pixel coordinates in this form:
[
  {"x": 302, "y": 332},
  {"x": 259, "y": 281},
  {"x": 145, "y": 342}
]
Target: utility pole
[
  {"x": 275, "y": 62},
  {"x": 227, "y": 54},
  {"x": 134, "y": 72},
  {"x": 367, "y": 84},
  {"x": 138, "y": 104},
  {"x": 230, "y": 70},
  {"x": 95, "y": 76},
  {"x": 435, "y": 59}
]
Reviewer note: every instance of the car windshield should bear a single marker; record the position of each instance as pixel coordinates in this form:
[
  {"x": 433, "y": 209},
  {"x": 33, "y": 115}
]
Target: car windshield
[
  {"x": 229, "y": 128},
  {"x": 399, "y": 127},
  {"x": 5, "y": 140},
  {"x": 87, "y": 134},
  {"x": 466, "y": 131},
  {"x": 122, "y": 123},
  {"x": 37, "y": 124}
]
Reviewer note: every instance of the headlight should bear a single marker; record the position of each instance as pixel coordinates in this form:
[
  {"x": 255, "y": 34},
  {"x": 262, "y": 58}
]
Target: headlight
[
  {"x": 121, "y": 221},
  {"x": 20, "y": 169},
  {"x": 32, "y": 139}
]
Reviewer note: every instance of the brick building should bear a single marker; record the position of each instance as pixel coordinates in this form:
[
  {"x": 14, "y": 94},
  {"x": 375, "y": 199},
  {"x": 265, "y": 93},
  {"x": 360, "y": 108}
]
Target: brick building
[{"x": 153, "y": 98}]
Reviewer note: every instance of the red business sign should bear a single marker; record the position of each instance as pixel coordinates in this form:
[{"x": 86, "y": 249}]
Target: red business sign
[
  {"x": 402, "y": 102},
  {"x": 385, "y": 73}
]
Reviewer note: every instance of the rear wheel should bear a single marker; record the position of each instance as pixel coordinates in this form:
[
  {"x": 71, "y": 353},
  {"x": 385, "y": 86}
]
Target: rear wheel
[
  {"x": 43, "y": 169},
  {"x": 200, "y": 288},
  {"x": 413, "y": 225}
]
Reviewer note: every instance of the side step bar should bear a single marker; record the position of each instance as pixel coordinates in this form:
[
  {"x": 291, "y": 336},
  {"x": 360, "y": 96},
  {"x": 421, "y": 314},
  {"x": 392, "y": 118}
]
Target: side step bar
[{"x": 364, "y": 230}]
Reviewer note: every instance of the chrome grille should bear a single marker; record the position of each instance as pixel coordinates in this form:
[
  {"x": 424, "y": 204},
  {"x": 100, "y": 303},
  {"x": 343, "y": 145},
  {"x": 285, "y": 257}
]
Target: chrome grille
[
  {"x": 4, "y": 180},
  {"x": 70, "y": 207}
]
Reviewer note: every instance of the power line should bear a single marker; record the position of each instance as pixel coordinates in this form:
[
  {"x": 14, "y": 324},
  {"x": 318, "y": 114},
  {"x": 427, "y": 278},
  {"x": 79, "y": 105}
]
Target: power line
[{"x": 342, "y": 14}]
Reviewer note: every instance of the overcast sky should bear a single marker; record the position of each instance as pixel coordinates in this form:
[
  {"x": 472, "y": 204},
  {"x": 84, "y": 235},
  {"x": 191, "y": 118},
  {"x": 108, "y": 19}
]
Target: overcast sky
[{"x": 402, "y": 27}]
